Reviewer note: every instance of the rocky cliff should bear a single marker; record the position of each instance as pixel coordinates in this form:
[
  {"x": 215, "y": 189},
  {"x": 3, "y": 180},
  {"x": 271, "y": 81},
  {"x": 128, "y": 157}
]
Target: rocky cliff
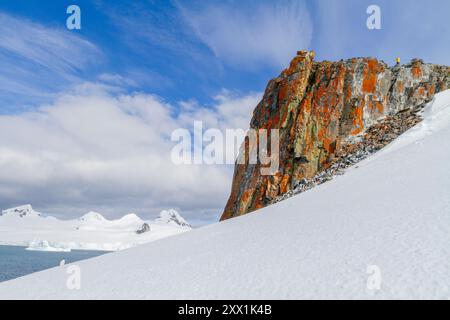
[{"x": 329, "y": 114}]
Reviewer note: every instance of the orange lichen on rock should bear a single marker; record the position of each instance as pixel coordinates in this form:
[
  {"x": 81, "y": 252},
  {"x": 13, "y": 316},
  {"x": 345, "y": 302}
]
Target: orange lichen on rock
[
  {"x": 421, "y": 91},
  {"x": 431, "y": 90},
  {"x": 358, "y": 122},
  {"x": 400, "y": 87},
  {"x": 369, "y": 84},
  {"x": 318, "y": 107},
  {"x": 379, "y": 106},
  {"x": 416, "y": 71},
  {"x": 284, "y": 186},
  {"x": 282, "y": 94}
]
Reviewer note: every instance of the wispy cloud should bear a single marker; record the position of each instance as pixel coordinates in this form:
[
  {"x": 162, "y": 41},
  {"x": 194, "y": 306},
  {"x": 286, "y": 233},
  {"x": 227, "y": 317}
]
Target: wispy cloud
[
  {"x": 36, "y": 59},
  {"x": 251, "y": 34},
  {"x": 161, "y": 51}
]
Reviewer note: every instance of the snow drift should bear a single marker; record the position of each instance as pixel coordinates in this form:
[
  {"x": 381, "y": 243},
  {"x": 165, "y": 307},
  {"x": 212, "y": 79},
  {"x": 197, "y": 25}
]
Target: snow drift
[{"x": 390, "y": 213}]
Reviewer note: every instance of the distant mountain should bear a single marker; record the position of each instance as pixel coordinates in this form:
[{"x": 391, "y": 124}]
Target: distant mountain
[
  {"x": 22, "y": 212},
  {"x": 172, "y": 217},
  {"x": 24, "y": 226},
  {"x": 92, "y": 217}
]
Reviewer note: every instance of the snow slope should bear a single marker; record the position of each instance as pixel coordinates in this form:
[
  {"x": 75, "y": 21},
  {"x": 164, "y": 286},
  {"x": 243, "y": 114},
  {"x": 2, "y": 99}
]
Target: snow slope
[
  {"x": 26, "y": 227},
  {"x": 391, "y": 213}
]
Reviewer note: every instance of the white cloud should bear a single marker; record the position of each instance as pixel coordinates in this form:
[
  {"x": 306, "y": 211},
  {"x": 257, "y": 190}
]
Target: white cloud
[
  {"x": 270, "y": 32},
  {"x": 97, "y": 149},
  {"x": 229, "y": 111}
]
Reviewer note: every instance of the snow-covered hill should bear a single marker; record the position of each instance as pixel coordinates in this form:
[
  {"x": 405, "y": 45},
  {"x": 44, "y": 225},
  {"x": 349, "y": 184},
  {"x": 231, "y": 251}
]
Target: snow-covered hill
[
  {"x": 382, "y": 230},
  {"x": 21, "y": 212},
  {"x": 26, "y": 227}
]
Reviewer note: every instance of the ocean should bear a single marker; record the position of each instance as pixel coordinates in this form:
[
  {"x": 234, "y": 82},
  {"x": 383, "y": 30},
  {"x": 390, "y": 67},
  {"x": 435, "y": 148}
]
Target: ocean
[{"x": 15, "y": 261}]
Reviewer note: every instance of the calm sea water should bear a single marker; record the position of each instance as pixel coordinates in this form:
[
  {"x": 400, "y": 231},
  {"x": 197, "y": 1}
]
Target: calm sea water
[{"x": 16, "y": 261}]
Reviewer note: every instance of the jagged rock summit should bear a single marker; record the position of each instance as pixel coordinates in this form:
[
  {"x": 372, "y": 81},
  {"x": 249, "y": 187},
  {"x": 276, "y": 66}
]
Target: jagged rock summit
[
  {"x": 21, "y": 212},
  {"x": 172, "y": 217},
  {"x": 325, "y": 112}
]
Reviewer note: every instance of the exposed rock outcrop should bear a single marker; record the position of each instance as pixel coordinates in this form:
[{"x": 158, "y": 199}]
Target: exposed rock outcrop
[
  {"x": 22, "y": 212},
  {"x": 143, "y": 229},
  {"x": 172, "y": 217},
  {"x": 324, "y": 112}
]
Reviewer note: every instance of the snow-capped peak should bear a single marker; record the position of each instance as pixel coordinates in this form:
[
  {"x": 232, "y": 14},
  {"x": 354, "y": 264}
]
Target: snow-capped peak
[
  {"x": 21, "y": 211},
  {"x": 172, "y": 217},
  {"x": 25, "y": 227},
  {"x": 131, "y": 217},
  {"x": 92, "y": 216}
]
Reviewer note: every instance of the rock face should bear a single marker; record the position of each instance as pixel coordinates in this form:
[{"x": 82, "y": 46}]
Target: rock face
[
  {"x": 143, "y": 229},
  {"x": 322, "y": 109}
]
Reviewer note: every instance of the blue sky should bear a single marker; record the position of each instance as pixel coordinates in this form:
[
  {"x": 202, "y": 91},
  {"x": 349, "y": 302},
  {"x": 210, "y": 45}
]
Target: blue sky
[
  {"x": 184, "y": 50},
  {"x": 164, "y": 64},
  {"x": 147, "y": 42}
]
